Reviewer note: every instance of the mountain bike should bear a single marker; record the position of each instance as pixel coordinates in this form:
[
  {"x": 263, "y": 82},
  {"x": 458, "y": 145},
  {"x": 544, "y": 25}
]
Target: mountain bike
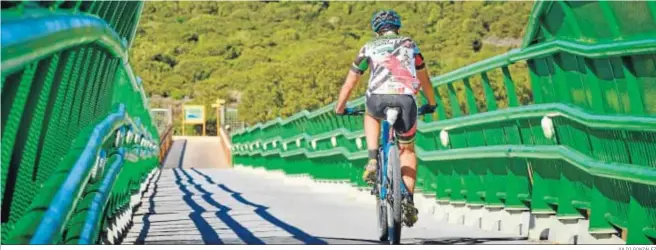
[{"x": 389, "y": 187}]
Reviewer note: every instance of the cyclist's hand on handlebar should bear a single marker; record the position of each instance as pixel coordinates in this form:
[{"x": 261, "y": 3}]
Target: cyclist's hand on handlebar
[
  {"x": 348, "y": 111},
  {"x": 344, "y": 111},
  {"x": 339, "y": 111},
  {"x": 427, "y": 109}
]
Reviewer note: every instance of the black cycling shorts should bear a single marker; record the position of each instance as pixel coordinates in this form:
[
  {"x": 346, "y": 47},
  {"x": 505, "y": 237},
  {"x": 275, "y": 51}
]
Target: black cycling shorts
[{"x": 406, "y": 123}]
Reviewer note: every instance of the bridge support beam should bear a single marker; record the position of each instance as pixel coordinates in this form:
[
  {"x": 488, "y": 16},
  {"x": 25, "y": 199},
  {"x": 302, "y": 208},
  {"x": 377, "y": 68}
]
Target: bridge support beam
[
  {"x": 441, "y": 211},
  {"x": 492, "y": 218},
  {"x": 515, "y": 221},
  {"x": 427, "y": 202},
  {"x": 586, "y": 237},
  {"x": 565, "y": 230},
  {"x": 456, "y": 213},
  {"x": 474, "y": 215},
  {"x": 541, "y": 225}
]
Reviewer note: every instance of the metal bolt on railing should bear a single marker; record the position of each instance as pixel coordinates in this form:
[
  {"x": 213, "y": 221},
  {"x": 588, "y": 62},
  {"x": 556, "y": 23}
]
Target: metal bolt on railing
[
  {"x": 358, "y": 142},
  {"x": 444, "y": 138},
  {"x": 547, "y": 127}
]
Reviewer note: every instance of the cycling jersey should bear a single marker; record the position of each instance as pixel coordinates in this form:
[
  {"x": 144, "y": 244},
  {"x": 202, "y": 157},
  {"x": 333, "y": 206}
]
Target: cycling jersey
[{"x": 394, "y": 61}]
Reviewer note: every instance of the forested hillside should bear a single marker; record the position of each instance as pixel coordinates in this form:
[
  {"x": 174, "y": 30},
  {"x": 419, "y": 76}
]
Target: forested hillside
[{"x": 277, "y": 58}]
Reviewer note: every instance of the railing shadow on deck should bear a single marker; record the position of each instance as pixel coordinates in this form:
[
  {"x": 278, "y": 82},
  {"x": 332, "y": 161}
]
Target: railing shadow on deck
[
  {"x": 151, "y": 211},
  {"x": 468, "y": 241},
  {"x": 184, "y": 180},
  {"x": 430, "y": 241},
  {"x": 262, "y": 212}
]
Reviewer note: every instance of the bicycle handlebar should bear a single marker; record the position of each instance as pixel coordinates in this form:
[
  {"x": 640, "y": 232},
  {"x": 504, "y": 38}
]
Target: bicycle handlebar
[
  {"x": 358, "y": 112},
  {"x": 352, "y": 111}
]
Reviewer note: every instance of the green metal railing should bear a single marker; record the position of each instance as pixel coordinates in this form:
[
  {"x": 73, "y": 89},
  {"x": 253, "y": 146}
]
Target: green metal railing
[
  {"x": 77, "y": 137},
  {"x": 582, "y": 146}
]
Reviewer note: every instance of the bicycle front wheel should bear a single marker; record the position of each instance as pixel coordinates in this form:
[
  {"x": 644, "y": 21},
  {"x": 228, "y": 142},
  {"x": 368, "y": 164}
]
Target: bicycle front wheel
[
  {"x": 383, "y": 229},
  {"x": 381, "y": 206}
]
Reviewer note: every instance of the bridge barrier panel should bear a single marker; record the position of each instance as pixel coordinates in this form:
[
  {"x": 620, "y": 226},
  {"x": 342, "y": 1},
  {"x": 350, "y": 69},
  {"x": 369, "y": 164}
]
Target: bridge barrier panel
[
  {"x": 563, "y": 127},
  {"x": 77, "y": 138}
]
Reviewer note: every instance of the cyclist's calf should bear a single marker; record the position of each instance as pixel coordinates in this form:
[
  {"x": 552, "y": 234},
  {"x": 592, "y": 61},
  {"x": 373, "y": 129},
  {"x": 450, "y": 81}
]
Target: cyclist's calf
[
  {"x": 406, "y": 148},
  {"x": 408, "y": 165}
]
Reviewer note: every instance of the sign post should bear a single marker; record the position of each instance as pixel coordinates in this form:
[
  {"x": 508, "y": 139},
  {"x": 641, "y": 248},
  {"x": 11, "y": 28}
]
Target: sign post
[
  {"x": 193, "y": 114},
  {"x": 219, "y": 103}
]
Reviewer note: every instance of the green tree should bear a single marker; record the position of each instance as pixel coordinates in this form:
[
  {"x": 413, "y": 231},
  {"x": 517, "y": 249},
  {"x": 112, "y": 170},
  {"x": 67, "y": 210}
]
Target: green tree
[{"x": 277, "y": 58}]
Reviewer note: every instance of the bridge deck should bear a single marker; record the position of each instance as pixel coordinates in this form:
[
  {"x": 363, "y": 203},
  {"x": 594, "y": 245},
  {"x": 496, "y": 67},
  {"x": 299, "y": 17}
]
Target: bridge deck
[{"x": 195, "y": 201}]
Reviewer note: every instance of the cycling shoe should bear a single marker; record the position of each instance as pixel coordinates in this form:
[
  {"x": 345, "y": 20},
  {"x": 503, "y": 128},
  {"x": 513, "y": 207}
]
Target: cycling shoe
[
  {"x": 369, "y": 175},
  {"x": 409, "y": 212}
]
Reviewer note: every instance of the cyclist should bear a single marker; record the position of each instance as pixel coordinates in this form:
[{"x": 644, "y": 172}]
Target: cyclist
[{"x": 397, "y": 72}]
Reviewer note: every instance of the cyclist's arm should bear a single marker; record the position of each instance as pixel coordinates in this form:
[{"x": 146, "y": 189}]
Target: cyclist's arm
[
  {"x": 426, "y": 86},
  {"x": 351, "y": 80},
  {"x": 360, "y": 65},
  {"x": 423, "y": 76}
]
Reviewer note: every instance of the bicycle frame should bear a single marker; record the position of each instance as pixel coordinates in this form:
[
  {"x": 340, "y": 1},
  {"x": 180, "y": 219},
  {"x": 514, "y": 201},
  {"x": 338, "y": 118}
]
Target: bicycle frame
[{"x": 388, "y": 140}]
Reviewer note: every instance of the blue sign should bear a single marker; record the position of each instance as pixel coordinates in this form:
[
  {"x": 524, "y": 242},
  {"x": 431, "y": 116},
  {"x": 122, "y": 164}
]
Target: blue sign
[{"x": 194, "y": 114}]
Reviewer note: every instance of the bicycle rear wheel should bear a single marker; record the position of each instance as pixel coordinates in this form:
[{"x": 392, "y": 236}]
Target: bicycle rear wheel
[{"x": 394, "y": 204}]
